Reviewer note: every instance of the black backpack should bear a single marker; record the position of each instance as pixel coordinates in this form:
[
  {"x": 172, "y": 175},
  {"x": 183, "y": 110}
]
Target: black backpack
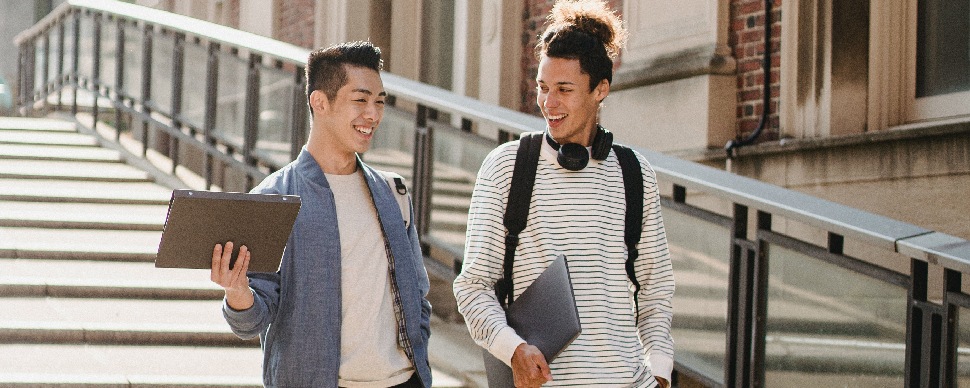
[{"x": 520, "y": 195}]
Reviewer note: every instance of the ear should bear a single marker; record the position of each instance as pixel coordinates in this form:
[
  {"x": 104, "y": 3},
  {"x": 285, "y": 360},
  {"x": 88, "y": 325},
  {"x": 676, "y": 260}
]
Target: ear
[
  {"x": 602, "y": 90},
  {"x": 319, "y": 101}
]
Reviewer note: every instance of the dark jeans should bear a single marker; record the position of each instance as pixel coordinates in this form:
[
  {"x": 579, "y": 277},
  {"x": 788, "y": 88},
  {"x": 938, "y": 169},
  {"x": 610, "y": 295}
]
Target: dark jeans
[{"x": 413, "y": 382}]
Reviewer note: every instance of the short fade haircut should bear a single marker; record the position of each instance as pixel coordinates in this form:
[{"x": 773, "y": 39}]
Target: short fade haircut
[{"x": 325, "y": 66}]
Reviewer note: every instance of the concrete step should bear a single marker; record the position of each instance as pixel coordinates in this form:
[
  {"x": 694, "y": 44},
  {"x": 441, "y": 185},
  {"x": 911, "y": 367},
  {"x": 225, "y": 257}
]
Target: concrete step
[
  {"x": 71, "y": 170},
  {"x": 115, "y": 322},
  {"x": 453, "y": 350},
  {"x": 449, "y": 220},
  {"x": 82, "y": 215},
  {"x": 57, "y": 152},
  {"x": 463, "y": 189},
  {"x": 72, "y": 191},
  {"x": 17, "y": 136},
  {"x": 790, "y": 316},
  {"x": 450, "y": 202},
  {"x": 100, "y": 279},
  {"x": 37, "y": 125},
  {"x": 60, "y": 365},
  {"x": 455, "y": 238},
  {"x": 78, "y": 244},
  {"x": 803, "y": 353},
  {"x": 700, "y": 284}
]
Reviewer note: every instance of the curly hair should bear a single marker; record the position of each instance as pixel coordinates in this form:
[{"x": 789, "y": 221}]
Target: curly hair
[
  {"x": 586, "y": 30},
  {"x": 325, "y": 67}
]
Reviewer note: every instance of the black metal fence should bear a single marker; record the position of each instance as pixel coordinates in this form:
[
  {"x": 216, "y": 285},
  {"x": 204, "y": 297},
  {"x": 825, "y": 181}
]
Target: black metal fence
[{"x": 775, "y": 288}]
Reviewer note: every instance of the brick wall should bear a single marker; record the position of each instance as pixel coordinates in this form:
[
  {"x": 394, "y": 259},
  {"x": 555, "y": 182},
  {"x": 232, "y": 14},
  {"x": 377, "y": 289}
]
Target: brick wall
[
  {"x": 533, "y": 23},
  {"x": 294, "y": 22},
  {"x": 747, "y": 42}
]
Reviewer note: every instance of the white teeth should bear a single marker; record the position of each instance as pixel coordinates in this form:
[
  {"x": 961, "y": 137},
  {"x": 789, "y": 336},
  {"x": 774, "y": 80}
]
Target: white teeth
[
  {"x": 364, "y": 130},
  {"x": 559, "y": 117}
]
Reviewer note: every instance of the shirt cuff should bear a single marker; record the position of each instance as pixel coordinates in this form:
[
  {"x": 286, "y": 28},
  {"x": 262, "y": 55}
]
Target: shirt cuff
[
  {"x": 661, "y": 365},
  {"x": 503, "y": 347},
  {"x": 238, "y": 314}
]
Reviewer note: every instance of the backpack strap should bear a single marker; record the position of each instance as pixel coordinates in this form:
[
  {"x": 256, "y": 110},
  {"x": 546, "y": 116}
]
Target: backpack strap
[
  {"x": 633, "y": 187},
  {"x": 396, "y": 182},
  {"x": 517, "y": 209}
]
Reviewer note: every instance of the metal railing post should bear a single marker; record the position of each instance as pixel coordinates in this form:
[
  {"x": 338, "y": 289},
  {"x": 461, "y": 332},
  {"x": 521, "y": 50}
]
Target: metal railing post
[
  {"x": 925, "y": 331},
  {"x": 30, "y": 62},
  {"x": 146, "y": 84},
  {"x": 738, "y": 349},
  {"x": 61, "y": 26},
  {"x": 298, "y": 113},
  {"x": 952, "y": 284},
  {"x": 251, "y": 125},
  {"x": 75, "y": 61},
  {"x": 178, "y": 69},
  {"x": 21, "y": 75},
  {"x": 504, "y": 136},
  {"x": 96, "y": 71},
  {"x": 759, "y": 297},
  {"x": 915, "y": 320},
  {"x": 209, "y": 122},
  {"x": 119, "y": 76},
  {"x": 422, "y": 170},
  {"x": 45, "y": 86}
]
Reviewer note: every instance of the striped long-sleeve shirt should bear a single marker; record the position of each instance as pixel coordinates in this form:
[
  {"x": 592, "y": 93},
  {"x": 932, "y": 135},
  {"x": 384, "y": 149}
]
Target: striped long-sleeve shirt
[{"x": 581, "y": 215}]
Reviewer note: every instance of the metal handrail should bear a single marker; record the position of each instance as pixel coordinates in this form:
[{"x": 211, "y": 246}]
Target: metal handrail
[
  {"x": 917, "y": 242},
  {"x": 212, "y": 32},
  {"x": 428, "y": 95},
  {"x": 840, "y": 222}
]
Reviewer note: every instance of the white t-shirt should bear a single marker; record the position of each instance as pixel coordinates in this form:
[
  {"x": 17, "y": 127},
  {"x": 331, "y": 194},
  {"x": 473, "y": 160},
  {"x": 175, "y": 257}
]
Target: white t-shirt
[{"x": 369, "y": 351}]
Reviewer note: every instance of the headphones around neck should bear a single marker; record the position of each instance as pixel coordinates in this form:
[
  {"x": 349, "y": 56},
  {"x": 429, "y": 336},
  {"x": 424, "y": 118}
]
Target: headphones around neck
[{"x": 574, "y": 157}]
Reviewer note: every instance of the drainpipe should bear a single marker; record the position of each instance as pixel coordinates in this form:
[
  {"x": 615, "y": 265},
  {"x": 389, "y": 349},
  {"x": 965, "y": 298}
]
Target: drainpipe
[{"x": 766, "y": 98}]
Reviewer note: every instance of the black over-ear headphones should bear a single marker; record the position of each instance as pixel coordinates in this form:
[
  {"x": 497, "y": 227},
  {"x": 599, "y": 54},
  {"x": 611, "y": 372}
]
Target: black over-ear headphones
[{"x": 574, "y": 157}]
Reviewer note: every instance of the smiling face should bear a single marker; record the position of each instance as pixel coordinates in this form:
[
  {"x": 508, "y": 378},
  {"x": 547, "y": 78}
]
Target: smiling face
[
  {"x": 347, "y": 123},
  {"x": 566, "y": 102}
]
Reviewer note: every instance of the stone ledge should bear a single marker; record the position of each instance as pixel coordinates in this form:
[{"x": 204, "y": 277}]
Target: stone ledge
[
  {"x": 902, "y": 132},
  {"x": 686, "y": 63}
]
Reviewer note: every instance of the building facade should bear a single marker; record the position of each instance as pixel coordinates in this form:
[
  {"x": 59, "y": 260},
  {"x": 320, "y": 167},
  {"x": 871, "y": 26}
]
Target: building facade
[{"x": 859, "y": 102}]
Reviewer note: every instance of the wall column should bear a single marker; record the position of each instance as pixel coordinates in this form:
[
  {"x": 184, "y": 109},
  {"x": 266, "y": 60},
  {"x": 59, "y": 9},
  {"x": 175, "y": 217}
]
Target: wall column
[
  {"x": 500, "y": 64},
  {"x": 675, "y": 89}
]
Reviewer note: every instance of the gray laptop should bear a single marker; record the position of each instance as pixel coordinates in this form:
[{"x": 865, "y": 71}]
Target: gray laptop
[
  {"x": 198, "y": 220},
  {"x": 545, "y": 315}
]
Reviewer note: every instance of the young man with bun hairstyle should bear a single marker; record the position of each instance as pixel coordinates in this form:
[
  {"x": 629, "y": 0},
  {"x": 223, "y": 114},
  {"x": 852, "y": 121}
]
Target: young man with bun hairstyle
[
  {"x": 577, "y": 208},
  {"x": 348, "y": 305}
]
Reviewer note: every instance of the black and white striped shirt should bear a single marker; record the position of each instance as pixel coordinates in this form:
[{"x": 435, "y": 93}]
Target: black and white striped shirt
[{"x": 581, "y": 215}]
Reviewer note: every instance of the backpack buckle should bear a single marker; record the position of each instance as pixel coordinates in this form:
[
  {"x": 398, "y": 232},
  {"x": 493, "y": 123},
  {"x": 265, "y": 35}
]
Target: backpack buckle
[{"x": 511, "y": 240}]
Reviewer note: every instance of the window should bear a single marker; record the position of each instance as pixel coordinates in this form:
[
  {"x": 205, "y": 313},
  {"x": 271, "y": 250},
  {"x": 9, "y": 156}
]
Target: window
[{"x": 942, "y": 58}]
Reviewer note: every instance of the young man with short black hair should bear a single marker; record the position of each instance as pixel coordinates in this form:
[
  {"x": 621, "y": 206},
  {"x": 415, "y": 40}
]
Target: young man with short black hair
[{"x": 348, "y": 305}]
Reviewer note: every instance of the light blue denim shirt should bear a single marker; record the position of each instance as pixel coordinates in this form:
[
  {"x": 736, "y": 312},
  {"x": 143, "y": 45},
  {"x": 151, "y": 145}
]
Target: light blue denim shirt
[{"x": 297, "y": 311}]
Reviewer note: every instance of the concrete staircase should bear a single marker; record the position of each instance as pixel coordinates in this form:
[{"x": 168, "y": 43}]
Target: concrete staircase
[
  {"x": 82, "y": 301},
  {"x": 83, "y": 304}
]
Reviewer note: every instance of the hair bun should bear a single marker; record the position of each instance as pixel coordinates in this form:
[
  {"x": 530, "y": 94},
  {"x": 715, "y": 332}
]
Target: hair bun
[{"x": 592, "y": 17}]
